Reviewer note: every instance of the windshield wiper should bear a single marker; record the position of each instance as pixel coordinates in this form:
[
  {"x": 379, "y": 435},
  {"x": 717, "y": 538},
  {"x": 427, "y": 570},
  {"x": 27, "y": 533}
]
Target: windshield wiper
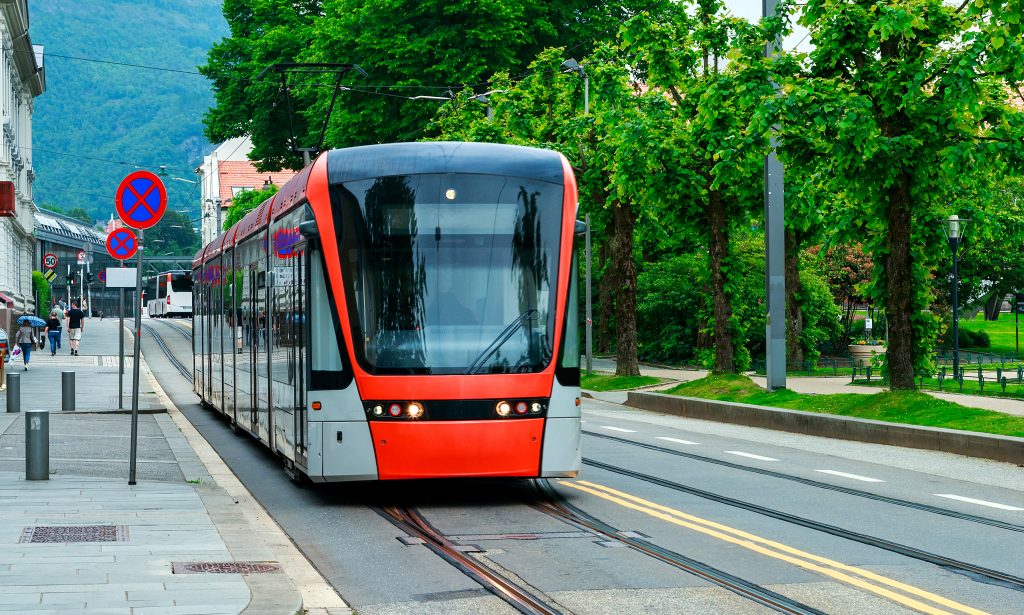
[{"x": 499, "y": 341}]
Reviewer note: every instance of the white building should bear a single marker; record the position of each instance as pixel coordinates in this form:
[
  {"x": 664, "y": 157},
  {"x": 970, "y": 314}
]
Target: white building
[
  {"x": 223, "y": 174},
  {"x": 21, "y": 80}
]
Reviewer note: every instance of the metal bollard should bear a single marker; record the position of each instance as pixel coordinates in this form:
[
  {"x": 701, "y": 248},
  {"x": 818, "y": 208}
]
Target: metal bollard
[
  {"x": 67, "y": 391},
  {"x": 37, "y": 445},
  {"x": 13, "y": 392}
]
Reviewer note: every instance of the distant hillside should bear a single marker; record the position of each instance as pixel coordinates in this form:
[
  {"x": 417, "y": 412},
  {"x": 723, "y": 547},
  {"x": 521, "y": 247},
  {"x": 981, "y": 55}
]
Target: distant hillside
[{"x": 111, "y": 112}]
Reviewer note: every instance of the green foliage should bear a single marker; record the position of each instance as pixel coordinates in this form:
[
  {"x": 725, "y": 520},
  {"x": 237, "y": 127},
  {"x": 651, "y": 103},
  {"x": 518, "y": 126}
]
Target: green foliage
[
  {"x": 41, "y": 290},
  {"x": 80, "y": 214},
  {"x": 820, "y": 311},
  {"x": 407, "y": 48},
  {"x": 174, "y": 234},
  {"x": 670, "y": 307},
  {"x": 902, "y": 109},
  {"x": 969, "y": 338},
  {"x": 246, "y": 201},
  {"x": 120, "y": 113}
]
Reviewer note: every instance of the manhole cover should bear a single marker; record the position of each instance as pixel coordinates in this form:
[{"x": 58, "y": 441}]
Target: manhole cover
[
  {"x": 224, "y": 567},
  {"x": 75, "y": 533}
]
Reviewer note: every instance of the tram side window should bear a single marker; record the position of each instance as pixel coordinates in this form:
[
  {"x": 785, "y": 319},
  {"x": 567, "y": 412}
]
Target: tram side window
[
  {"x": 325, "y": 354},
  {"x": 571, "y": 337}
]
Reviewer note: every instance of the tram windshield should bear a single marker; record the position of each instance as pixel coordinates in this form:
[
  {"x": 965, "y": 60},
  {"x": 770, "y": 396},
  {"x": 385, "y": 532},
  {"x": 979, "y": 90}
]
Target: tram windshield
[{"x": 450, "y": 274}]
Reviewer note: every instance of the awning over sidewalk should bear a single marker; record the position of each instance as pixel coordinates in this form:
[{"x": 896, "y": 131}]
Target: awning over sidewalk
[{"x": 5, "y": 299}]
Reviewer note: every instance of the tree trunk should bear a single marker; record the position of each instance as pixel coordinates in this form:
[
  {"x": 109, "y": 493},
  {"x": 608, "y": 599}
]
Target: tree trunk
[
  {"x": 604, "y": 301},
  {"x": 794, "y": 312},
  {"x": 899, "y": 288},
  {"x": 627, "y": 363},
  {"x": 718, "y": 226}
]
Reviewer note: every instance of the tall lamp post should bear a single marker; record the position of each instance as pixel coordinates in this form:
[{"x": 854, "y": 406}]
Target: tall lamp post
[{"x": 954, "y": 227}]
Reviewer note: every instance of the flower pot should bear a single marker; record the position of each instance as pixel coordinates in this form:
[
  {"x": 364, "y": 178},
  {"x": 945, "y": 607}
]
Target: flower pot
[{"x": 861, "y": 354}]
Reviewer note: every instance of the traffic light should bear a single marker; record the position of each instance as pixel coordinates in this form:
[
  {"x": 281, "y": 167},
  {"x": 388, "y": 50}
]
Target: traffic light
[
  {"x": 71, "y": 279},
  {"x": 88, "y": 278}
]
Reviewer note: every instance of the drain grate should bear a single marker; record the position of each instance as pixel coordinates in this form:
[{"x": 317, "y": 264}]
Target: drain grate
[
  {"x": 224, "y": 567},
  {"x": 75, "y": 533}
]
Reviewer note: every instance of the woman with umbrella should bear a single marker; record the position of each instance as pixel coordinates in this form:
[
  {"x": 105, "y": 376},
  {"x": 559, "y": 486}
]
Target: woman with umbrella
[{"x": 26, "y": 337}]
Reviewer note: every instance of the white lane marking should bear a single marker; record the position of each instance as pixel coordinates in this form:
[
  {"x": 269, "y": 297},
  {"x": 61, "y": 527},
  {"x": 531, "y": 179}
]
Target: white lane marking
[
  {"x": 677, "y": 440},
  {"x": 618, "y": 429},
  {"x": 979, "y": 502},
  {"x": 751, "y": 456},
  {"x": 866, "y": 479}
]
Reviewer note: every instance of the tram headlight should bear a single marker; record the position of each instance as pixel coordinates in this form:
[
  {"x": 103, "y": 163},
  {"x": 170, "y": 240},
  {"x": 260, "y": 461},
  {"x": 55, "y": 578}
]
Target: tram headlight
[
  {"x": 378, "y": 410},
  {"x": 521, "y": 407},
  {"x": 414, "y": 410},
  {"x": 535, "y": 407},
  {"x": 503, "y": 408},
  {"x": 395, "y": 410}
]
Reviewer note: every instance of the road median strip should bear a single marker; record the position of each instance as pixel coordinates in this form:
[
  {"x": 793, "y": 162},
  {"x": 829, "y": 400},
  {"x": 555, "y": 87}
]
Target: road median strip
[{"x": 972, "y": 444}]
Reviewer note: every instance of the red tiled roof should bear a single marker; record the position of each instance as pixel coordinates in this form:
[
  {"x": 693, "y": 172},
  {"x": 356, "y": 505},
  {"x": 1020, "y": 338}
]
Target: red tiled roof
[{"x": 243, "y": 174}]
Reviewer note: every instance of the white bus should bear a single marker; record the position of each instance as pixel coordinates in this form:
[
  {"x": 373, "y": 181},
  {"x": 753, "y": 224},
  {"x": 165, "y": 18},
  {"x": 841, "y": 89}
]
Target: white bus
[{"x": 173, "y": 295}]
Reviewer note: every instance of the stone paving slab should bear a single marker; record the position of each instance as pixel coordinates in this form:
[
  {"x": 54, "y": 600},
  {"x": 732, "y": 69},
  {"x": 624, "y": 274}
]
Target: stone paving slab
[{"x": 176, "y": 512}]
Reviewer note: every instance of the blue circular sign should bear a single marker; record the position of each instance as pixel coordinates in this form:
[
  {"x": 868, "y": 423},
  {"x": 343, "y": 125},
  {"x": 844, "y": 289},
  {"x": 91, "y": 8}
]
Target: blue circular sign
[
  {"x": 122, "y": 243},
  {"x": 141, "y": 199}
]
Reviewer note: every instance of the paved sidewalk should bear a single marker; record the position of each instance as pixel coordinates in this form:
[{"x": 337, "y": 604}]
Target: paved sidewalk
[
  {"x": 156, "y": 547},
  {"x": 820, "y": 385}
]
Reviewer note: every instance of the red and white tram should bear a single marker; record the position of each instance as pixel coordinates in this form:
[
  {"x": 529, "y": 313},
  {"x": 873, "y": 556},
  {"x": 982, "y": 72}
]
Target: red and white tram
[{"x": 401, "y": 311}]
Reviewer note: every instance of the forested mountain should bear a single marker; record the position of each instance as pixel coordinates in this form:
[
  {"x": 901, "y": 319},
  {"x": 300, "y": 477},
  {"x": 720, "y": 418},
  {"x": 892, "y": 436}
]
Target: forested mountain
[{"x": 94, "y": 111}]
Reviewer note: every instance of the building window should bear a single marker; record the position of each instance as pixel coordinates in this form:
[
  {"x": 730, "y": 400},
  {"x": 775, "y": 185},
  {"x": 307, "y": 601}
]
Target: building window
[{"x": 236, "y": 190}]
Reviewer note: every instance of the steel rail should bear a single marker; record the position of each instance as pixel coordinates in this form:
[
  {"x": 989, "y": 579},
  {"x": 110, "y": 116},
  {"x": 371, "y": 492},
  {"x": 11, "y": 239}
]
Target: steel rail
[
  {"x": 821, "y": 485},
  {"x": 973, "y": 571},
  {"x": 554, "y": 505},
  {"x": 187, "y": 373},
  {"x": 180, "y": 330},
  {"x": 409, "y": 520}
]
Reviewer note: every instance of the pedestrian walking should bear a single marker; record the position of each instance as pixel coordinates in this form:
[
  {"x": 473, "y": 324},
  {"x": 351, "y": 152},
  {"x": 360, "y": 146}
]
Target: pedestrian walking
[
  {"x": 58, "y": 307},
  {"x": 52, "y": 331},
  {"x": 25, "y": 339},
  {"x": 76, "y": 324}
]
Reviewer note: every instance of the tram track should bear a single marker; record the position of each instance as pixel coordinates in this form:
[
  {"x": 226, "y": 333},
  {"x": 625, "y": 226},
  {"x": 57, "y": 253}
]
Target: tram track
[
  {"x": 555, "y": 506},
  {"x": 178, "y": 365},
  {"x": 938, "y": 510},
  {"x": 975, "y": 572},
  {"x": 524, "y": 600}
]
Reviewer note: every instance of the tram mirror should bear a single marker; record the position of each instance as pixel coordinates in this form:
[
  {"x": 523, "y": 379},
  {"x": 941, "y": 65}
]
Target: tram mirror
[
  {"x": 581, "y": 227},
  {"x": 308, "y": 229}
]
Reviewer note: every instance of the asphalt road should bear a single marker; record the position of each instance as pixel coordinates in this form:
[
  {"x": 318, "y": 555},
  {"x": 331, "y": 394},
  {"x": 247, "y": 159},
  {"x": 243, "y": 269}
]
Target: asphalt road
[{"x": 966, "y": 510}]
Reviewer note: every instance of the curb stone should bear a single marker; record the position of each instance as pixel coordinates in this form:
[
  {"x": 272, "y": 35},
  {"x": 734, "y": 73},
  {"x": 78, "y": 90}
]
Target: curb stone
[{"x": 968, "y": 443}]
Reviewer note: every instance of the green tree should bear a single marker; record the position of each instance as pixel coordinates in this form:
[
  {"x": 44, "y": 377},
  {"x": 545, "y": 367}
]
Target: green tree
[
  {"x": 173, "y": 235},
  {"x": 409, "y": 49},
  {"x": 263, "y": 33},
  {"x": 706, "y": 68},
  {"x": 246, "y": 201},
  {"x": 80, "y": 214},
  {"x": 902, "y": 104}
]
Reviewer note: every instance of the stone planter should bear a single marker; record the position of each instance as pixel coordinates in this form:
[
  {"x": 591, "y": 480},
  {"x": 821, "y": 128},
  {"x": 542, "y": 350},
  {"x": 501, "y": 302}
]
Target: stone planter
[{"x": 861, "y": 354}]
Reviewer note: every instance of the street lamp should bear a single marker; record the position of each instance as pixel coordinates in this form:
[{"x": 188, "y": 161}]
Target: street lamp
[
  {"x": 572, "y": 66},
  {"x": 954, "y": 227}
]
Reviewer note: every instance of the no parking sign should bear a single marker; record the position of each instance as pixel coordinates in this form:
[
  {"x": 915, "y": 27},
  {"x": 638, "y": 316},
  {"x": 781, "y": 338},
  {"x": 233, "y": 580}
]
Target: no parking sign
[
  {"x": 122, "y": 244},
  {"x": 141, "y": 200}
]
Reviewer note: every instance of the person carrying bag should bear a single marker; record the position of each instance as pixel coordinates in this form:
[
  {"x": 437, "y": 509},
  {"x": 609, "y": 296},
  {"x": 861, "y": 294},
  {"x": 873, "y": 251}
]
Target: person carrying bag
[{"x": 26, "y": 340}]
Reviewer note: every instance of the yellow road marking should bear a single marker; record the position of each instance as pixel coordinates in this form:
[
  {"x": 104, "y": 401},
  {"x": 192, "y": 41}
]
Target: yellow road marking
[{"x": 761, "y": 545}]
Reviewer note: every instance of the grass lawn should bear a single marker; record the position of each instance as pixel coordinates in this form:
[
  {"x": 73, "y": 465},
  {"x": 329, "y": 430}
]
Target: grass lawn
[
  {"x": 970, "y": 385},
  {"x": 1000, "y": 333},
  {"x": 610, "y": 382},
  {"x": 910, "y": 407}
]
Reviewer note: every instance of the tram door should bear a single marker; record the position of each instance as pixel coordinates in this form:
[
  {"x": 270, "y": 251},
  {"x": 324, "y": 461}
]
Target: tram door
[
  {"x": 254, "y": 335},
  {"x": 261, "y": 346}
]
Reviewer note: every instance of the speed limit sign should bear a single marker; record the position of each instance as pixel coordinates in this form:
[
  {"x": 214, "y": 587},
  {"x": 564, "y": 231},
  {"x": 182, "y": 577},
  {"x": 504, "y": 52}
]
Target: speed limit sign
[{"x": 50, "y": 261}]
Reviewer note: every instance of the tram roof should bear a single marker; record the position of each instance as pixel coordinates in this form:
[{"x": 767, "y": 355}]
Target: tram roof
[
  {"x": 255, "y": 219},
  {"x": 354, "y": 163}
]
